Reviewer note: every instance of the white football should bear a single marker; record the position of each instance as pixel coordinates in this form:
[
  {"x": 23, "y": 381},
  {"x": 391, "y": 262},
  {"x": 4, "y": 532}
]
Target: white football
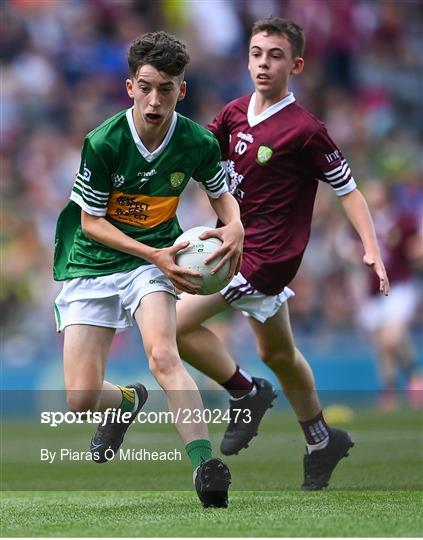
[{"x": 193, "y": 256}]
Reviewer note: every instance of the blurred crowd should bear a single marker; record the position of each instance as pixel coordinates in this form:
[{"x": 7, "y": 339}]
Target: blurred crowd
[{"x": 63, "y": 73}]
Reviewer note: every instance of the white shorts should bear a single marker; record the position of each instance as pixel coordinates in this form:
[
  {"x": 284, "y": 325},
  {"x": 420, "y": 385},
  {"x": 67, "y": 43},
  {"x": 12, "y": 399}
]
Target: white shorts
[
  {"x": 398, "y": 307},
  {"x": 241, "y": 295},
  {"x": 109, "y": 301}
]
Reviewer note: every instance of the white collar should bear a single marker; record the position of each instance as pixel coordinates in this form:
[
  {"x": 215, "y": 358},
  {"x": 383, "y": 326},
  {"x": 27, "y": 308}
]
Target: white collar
[
  {"x": 146, "y": 154},
  {"x": 254, "y": 119}
]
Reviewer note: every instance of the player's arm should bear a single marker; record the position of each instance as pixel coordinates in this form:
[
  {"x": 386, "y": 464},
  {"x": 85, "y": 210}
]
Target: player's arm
[
  {"x": 102, "y": 231},
  {"x": 358, "y": 213},
  {"x": 231, "y": 234},
  {"x": 334, "y": 169}
]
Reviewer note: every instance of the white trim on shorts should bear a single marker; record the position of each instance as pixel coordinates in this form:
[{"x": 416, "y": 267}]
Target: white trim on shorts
[
  {"x": 108, "y": 301},
  {"x": 242, "y": 296}
]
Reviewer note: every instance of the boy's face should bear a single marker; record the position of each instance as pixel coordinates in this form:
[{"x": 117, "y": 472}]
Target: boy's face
[
  {"x": 155, "y": 95},
  {"x": 271, "y": 64}
]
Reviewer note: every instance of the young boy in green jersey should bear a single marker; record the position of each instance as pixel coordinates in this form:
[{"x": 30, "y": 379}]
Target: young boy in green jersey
[{"x": 114, "y": 250}]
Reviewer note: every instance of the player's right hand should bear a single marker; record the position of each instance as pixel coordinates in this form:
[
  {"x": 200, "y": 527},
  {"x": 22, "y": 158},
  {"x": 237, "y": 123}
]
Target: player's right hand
[
  {"x": 164, "y": 259},
  {"x": 375, "y": 263}
]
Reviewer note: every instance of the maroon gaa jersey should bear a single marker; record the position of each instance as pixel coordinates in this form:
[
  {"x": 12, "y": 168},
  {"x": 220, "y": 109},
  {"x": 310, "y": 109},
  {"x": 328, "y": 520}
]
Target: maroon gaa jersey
[
  {"x": 395, "y": 232},
  {"x": 274, "y": 162}
]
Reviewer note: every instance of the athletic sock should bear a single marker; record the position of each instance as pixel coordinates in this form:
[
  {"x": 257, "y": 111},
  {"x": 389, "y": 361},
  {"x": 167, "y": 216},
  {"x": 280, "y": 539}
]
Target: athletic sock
[
  {"x": 316, "y": 432},
  {"x": 240, "y": 384},
  {"x": 198, "y": 451},
  {"x": 129, "y": 399}
]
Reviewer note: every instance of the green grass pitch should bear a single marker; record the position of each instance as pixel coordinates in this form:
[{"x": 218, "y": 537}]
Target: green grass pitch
[{"x": 377, "y": 491}]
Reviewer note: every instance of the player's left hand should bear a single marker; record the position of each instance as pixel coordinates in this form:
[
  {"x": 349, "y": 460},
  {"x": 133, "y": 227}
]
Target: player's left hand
[
  {"x": 376, "y": 264},
  {"x": 232, "y": 236}
]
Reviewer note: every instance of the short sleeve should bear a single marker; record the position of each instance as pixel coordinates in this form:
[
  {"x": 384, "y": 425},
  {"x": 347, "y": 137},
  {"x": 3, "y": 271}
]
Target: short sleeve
[
  {"x": 330, "y": 164},
  {"x": 209, "y": 173},
  {"x": 91, "y": 189}
]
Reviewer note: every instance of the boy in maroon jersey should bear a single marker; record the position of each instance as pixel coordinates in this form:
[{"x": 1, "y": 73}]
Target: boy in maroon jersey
[{"x": 276, "y": 153}]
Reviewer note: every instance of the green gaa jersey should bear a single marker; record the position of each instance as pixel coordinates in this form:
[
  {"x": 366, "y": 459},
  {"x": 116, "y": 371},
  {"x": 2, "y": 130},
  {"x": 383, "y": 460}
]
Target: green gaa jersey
[{"x": 136, "y": 190}]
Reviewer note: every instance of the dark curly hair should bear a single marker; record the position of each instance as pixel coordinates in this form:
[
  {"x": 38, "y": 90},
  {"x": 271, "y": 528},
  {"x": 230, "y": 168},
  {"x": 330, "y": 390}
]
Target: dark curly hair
[
  {"x": 283, "y": 27},
  {"x": 159, "y": 49}
]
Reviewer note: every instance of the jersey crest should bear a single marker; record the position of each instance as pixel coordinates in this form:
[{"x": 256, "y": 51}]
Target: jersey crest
[
  {"x": 176, "y": 179},
  {"x": 264, "y": 154}
]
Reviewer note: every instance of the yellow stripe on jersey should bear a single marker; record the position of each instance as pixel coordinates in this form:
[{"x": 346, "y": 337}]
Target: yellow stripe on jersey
[{"x": 141, "y": 210}]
